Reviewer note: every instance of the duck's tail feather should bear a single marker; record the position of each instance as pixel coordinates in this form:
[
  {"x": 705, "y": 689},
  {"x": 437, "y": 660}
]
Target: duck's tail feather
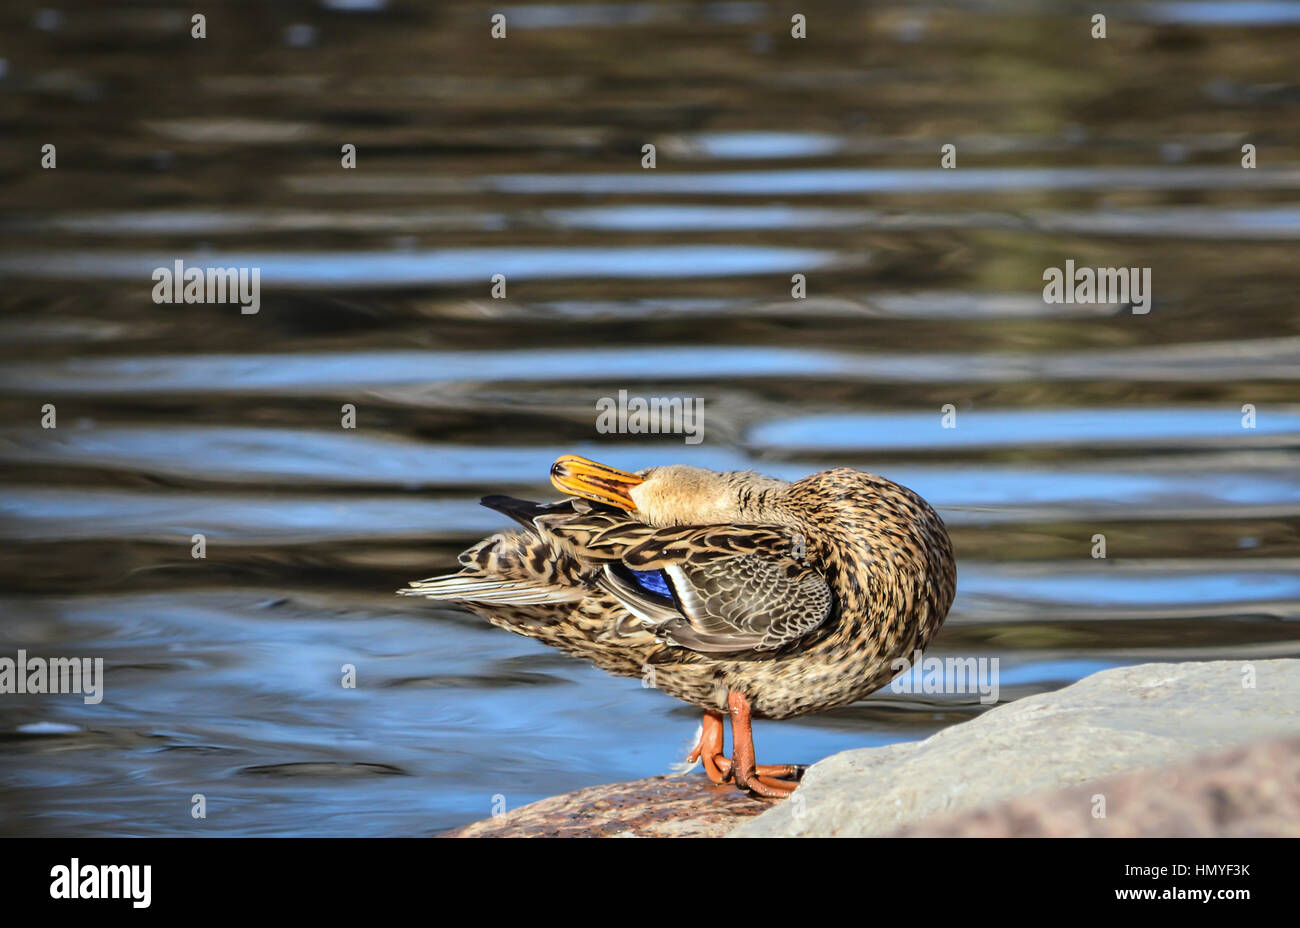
[
  {"x": 511, "y": 568},
  {"x": 523, "y": 511},
  {"x": 474, "y": 588}
]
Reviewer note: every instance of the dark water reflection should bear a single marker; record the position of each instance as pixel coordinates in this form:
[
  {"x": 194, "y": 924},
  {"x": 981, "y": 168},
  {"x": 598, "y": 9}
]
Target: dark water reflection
[{"x": 522, "y": 157}]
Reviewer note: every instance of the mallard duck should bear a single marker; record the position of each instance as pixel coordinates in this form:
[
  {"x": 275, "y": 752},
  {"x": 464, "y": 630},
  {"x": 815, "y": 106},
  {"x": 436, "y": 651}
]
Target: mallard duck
[{"x": 743, "y": 595}]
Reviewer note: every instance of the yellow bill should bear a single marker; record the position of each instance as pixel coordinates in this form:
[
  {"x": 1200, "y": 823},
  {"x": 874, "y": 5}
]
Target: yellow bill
[{"x": 599, "y": 483}]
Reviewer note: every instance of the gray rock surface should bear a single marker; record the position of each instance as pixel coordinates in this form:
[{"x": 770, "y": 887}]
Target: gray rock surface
[
  {"x": 1110, "y": 723},
  {"x": 1250, "y": 792}
]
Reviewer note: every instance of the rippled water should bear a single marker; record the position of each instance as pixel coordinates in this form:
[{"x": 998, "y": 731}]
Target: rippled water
[{"x": 522, "y": 157}]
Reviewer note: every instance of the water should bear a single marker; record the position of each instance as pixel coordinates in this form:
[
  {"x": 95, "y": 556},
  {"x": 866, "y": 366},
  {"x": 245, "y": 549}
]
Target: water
[{"x": 522, "y": 157}]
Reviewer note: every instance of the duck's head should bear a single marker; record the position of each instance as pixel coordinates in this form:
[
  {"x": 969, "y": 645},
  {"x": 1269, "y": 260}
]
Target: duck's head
[{"x": 673, "y": 495}]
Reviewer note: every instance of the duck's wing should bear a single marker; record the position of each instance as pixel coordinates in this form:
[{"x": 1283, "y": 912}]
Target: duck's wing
[
  {"x": 724, "y": 589},
  {"x": 732, "y": 588}
]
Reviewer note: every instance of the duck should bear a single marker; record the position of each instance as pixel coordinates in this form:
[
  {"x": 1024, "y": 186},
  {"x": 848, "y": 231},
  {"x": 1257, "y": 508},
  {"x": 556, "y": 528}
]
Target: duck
[{"x": 743, "y": 595}]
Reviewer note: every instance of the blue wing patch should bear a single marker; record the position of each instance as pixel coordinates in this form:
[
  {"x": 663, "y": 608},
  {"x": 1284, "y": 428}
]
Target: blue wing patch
[{"x": 653, "y": 581}]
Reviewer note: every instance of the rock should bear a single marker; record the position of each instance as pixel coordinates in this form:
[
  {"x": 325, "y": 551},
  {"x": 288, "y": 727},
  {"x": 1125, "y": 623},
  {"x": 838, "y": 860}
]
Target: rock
[
  {"x": 1109, "y": 723},
  {"x": 1251, "y": 792},
  {"x": 659, "y": 807}
]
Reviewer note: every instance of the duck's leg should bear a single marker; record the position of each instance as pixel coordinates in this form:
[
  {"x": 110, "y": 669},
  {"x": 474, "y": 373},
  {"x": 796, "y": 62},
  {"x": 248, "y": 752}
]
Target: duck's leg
[
  {"x": 781, "y": 771},
  {"x": 709, "y": 750},
  {"x": 717, "y": 765},
  {"x": 768, "y": 781}
]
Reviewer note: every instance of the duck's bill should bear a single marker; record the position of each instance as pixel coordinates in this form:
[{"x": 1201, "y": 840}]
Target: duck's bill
[{"x": 600, "y": 483}]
